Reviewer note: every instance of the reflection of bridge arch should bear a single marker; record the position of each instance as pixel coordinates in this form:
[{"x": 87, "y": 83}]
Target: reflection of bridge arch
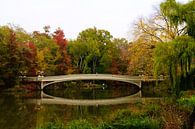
[
  {"x": 48, "y": 99},
  {"x": 55, "y": 79}
]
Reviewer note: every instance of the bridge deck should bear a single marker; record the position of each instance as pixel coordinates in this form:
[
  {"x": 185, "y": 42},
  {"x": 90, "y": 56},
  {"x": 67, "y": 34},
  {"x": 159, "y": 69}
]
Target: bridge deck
[{"x": 54, "y": 79}]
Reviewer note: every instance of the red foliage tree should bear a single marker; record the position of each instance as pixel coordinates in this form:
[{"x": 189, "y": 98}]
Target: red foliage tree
[
  {"x": 31, "y": 58},
  {"x": 60, "y": 38},
  {"x": 28, "y": 58},
  {"x": 64, "y": 65}
]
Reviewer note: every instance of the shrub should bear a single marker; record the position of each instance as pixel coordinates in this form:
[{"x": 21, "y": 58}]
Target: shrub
[
  {"x": 187, "y": 103},
  {"x": 122, "y": 114},
  {"x": 105, "y": 126},
  {"x": 153, "y": 110},
  {"x": 79, "y": 124},
  {"x": 51, "y": 125},
  {"x": 134, "y": 123},
  {"x": 125, "y": 119}
]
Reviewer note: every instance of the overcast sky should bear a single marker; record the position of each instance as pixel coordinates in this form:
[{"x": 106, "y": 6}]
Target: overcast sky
[{"x": 73, "y": 16}]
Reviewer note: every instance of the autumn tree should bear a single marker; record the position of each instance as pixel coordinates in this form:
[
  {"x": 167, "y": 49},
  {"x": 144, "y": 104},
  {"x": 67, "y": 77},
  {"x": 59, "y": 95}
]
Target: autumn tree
[
  {"x": 11, "y": 55},
  {"x": 27, "y": 51},
  {"x": 46, "y": 53},
  {"x": 115, "y": 58},
  {"x": 141, "y": 57},
  {"x": 63, "y": 61},
  {"x": 147, "y": 34}
]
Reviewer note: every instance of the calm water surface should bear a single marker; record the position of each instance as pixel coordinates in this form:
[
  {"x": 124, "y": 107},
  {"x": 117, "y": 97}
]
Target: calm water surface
[
  {"x": 96, "y": 89},
  {"x": 17, "y": 111}
]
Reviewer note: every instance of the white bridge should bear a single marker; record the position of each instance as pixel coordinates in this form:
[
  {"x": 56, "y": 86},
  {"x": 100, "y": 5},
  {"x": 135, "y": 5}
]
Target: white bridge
[{"x": 48, "y": 80}]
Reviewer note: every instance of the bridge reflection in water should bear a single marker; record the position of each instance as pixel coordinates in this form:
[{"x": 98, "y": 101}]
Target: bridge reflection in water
[{"x": 48, "y": 99}]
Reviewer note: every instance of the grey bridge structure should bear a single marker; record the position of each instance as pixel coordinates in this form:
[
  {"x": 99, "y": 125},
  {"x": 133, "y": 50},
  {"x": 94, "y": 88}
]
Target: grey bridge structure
[{"x": 48, "y": 80}]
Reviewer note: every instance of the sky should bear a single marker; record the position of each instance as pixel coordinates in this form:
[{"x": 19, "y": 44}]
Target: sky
[{"x": 74, "y": 16}]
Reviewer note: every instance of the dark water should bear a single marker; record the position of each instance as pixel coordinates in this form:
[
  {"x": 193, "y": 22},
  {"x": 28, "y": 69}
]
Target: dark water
[
  {"x": 17, "y": 111},
  {"x": 91, "y": 89}
]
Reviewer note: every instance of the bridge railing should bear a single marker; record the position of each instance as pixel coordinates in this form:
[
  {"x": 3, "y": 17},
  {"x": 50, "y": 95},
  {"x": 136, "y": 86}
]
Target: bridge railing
[
  {"x": 127, "y": 77},
  {"x": 152, "y": 78},
  {"x": 90, "y": 75}
]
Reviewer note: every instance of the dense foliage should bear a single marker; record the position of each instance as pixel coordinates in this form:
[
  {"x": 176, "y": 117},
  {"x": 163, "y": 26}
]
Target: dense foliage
[
  {"x": 176, "y": 57},
  {"x": 165, "y": 43},
  {"x": 94, "y": 51}
]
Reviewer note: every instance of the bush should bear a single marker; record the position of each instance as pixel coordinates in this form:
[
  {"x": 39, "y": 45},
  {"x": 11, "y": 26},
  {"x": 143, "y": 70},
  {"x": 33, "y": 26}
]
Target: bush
[
  {"x": 122, "y": 114},
  {"x": 51, "y": 125},
  {"x": 133, "y": 123},
  {"x": 125, "y": 119},
  {"x": 105, "y": 126},
  {"x": 187, "y": 103},
  {"x": 153, "y": 110},
  {"x": 79, "y": 124}
]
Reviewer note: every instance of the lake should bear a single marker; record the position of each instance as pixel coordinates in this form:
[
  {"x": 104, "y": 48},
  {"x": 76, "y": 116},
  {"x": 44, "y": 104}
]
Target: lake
[{"x": 28, "y": 109}]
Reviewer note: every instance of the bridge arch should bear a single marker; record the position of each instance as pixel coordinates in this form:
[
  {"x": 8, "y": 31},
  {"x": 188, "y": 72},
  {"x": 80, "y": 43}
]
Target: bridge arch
[{"x": 46, "y": 81}]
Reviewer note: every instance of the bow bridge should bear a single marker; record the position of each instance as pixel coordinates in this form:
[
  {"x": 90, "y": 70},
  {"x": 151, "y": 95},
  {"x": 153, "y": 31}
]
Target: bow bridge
[{"x": 48, "y": 80}]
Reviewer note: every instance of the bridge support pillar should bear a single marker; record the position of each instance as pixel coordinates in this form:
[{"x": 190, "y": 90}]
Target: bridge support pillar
[
  {"x": 140, "y": 84},
  {"x": 42, "y": 84},
  {"x": 41, "y": 95}
]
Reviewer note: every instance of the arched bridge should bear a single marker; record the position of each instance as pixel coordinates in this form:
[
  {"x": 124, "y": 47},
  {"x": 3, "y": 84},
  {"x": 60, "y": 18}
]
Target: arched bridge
[
  {"x": 54, "y": 79},
  {"x": 45, "y": 81}
]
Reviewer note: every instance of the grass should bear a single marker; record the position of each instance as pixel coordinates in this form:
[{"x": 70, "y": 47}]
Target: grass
[
  {"x": 187, "y": 103},
  {"x": 123, "y": 119}
]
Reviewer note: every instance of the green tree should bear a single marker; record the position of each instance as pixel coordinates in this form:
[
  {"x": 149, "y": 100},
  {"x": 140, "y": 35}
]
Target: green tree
[
  {"x": 179, "y": 14},
  {"x": 175, "y": 59},
  {"x": 88, "y": 49},
  {"x": 115, "y": 57},
  {"x": 178, "y": 54}
]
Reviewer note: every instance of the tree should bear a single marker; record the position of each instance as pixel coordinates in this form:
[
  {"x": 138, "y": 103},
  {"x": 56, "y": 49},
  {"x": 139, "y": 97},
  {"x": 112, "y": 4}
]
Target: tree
[
  {"x": 11, "y": 55},
  {"x": 88, "y": 50},
  {"x": 175, "y": 58},
  {"x": 147, "y": 34},
  {"x": 64, "y": 60},
  {"x": 178, "y": 55},
  {"x": 47, "y": 50},
  {"x": 77, "y": 52},
  {"x": 157, "y": 28},
  {"x": 180, "y": 14},
  {"x": 141, "y": 57},
  {"x": 115, "y": 58}
]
